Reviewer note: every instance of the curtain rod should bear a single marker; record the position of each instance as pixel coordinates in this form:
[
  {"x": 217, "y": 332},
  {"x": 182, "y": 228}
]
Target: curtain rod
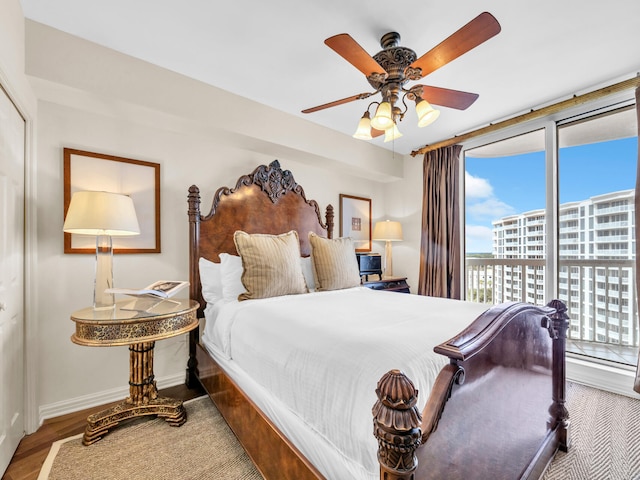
[{"x": 533, "y": 114}]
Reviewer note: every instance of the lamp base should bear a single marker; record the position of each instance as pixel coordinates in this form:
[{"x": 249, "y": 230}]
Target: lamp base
[
  {"x": 388, "y": 260},
  {"x": 104, "y": 274}
]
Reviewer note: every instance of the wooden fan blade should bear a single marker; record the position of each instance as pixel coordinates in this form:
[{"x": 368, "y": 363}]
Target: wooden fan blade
[
  {"x": 448, "y": 98},
  {"x": 477, "y": 31},
  {"x": 345, "y": 46},
  {"x": 376, "y": 133},
  {"x": 338, "y": 102}
]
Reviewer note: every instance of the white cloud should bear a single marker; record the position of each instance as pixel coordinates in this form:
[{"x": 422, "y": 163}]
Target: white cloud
[
  {"x": 491, "y": 208},
  {"x": 476, "y": 187}
]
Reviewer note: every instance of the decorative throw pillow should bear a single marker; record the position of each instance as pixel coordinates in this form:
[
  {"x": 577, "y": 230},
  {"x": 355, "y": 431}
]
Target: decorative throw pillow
[
  {"x": 271, "y": 264},
  {"x": 231, "y": 277},
  {"x": 335, "y": 265}
]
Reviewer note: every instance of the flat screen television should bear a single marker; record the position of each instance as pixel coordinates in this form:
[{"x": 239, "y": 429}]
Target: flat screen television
[{"x": 369, "y": 264}]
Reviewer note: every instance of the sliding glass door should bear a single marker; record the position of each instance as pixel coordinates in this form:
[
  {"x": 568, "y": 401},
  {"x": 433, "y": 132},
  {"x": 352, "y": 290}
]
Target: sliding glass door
[
  {"x": 549, "y": 213},
  {"x": 596, "y": 245}
]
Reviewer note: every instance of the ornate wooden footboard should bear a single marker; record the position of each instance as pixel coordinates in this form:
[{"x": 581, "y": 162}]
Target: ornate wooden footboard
[{"x": 497, "y": 411}]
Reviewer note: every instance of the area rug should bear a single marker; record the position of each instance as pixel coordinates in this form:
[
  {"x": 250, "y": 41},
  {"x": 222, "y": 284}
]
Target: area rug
[
  {"x": 203, "y": 448},
  {"x": 605, "y": 437},
  {"x": 605, "y": 434}
]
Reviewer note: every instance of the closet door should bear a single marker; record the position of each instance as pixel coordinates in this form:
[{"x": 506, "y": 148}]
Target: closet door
[{"x": 12, "y": 161}]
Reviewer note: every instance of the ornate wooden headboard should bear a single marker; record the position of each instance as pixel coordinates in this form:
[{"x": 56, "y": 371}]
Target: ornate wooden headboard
[{"x": 268, "y": 200}]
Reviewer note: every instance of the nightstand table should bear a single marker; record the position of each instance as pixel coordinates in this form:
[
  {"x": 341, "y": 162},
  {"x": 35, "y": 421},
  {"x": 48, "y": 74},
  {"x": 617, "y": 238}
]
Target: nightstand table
[
  {"x": 390, "y": 284},
  {"x": 140, "y": 330}
]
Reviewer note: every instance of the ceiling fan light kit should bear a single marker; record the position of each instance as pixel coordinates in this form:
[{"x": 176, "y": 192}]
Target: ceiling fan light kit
[
  {"x": 382, "y": 119},
  {"x": 426, "y": 113},
  {"x": 364, "y": 127},
  {"x": 391, "y": 133},
  {"x": 389, "y": 70}
]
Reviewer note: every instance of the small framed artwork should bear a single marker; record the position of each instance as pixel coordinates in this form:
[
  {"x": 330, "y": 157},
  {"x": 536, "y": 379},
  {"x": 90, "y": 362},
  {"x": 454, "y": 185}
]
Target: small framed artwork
[
  {"x": 89, "y": 171},
  {"x": 355, "y": 221}
]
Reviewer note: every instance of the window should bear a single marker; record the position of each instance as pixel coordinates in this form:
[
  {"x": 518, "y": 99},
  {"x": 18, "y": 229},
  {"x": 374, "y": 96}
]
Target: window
[{"x": 591, "y": 251}]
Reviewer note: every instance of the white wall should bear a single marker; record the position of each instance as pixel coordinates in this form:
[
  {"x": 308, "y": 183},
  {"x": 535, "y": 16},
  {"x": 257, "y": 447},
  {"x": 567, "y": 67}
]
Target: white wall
[
  {"x": 403, "y": 202},
  {"x": 95, "y": 99}
]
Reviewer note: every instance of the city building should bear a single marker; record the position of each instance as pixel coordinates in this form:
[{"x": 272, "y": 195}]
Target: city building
[{"x": 595, "y": 280}]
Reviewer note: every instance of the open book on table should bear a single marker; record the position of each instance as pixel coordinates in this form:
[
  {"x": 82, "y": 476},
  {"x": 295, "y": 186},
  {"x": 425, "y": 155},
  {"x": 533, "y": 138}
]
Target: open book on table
[{"x": 160, "y": 289}]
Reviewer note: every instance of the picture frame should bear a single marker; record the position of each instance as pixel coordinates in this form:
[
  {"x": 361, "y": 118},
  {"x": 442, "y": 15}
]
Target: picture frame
[
  {"x": 355, "y": 221},
  {"x": 139, "y": 179}
]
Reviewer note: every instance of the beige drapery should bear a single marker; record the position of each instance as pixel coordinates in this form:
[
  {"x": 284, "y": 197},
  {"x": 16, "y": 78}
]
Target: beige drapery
[
  {"x": 440, "y": 243},
  {"x": 636, "y": 385}
]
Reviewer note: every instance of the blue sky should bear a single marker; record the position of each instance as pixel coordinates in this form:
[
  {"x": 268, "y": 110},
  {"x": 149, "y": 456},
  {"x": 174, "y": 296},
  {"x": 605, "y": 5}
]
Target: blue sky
[{"x": 501, "y": 186}]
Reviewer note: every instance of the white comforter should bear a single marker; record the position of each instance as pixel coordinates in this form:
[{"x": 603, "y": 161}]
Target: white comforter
[{"x": 321, "y": 354}]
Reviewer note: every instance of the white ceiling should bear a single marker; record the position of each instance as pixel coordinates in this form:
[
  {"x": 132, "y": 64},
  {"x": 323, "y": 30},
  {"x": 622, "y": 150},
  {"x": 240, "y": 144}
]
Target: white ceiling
[{"x": 273, "y": 51}]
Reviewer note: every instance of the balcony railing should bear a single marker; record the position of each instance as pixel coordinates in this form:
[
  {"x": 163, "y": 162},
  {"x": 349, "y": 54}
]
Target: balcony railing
[{"x": 611, "y": 318}]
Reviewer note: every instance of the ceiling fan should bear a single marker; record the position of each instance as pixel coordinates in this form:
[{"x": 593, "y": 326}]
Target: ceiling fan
[{"x": 390, "y": 69}]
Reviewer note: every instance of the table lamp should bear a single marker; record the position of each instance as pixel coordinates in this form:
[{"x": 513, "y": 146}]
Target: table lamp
[
  {"x": 389, "y": 232},
  {"x": 104, "y": 215}
]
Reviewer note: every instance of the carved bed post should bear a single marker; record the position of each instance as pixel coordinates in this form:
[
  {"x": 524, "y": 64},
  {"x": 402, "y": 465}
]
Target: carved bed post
[
  {"x": 329, "y": 219},
  {"x": 194, "y": 233},
  {"x": 396, "y": 425},
  {"x": 559, "y": 412}
]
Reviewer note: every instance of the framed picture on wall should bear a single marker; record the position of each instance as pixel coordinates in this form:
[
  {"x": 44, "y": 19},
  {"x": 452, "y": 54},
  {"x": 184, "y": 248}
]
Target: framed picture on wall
[
  {"x": 89, "y": 171},
  {"x": 355, "y": 221}
]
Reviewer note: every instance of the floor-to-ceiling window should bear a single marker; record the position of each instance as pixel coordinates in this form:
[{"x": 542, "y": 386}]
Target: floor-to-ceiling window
[
  {"x": 505, "y": 227},
  {"x": 549, "y": 212},
  {"x": 596, "y": 245}
]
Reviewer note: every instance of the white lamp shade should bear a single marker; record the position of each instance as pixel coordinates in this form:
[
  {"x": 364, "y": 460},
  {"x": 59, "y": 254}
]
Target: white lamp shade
[
  {"x": 388, "y": 231},
  {"x": 101, "y": 213},
  {"x": 364, "y": 128},
  {"x": 426, "y": 113},
  {"x": 382, "y": 119},
  {"x": 392, "y": 133}
]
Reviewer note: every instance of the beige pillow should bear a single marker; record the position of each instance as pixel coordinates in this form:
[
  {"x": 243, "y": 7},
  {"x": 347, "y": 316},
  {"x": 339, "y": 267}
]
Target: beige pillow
[
  {"x": 271, "y": 264},
  {"x": 334, "y": 262}
]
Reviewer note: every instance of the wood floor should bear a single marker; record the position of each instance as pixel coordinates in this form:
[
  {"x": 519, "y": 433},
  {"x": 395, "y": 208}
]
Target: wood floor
[{"x": 34, "y": 448}]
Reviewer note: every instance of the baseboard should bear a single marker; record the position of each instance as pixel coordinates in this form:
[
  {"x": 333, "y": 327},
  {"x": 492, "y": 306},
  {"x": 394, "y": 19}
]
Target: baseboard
[
  {"x": 605, "y": 376},
  {"x": 71, "y": 405}
]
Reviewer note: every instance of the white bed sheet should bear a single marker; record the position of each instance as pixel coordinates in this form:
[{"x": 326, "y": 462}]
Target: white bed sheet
[{"x": 313, "y": 362}]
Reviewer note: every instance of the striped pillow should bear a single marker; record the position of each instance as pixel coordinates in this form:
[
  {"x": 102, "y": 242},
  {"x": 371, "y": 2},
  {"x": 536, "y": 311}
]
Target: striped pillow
[
  {"x": 271, "y": 264},
  {"x": 335, "y": 265}
]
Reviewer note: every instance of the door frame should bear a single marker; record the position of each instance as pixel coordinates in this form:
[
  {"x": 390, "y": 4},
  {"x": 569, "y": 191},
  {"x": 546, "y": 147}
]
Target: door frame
[{"x": 27, "y": 110}]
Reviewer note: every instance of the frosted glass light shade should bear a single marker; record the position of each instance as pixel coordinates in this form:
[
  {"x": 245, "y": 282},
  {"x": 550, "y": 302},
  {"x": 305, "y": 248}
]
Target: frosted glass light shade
[
  {"x": 382, "y": 119},
  {"x": 101, "y": 213},
  {"x": 426, "y": 113},
  {"x": 364, "y": 127},
  {"x": 392, "y": 133},
  {"x": 388, "y": 231}
]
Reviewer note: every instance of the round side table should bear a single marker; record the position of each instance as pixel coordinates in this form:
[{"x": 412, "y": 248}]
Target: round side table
[{"x": 138, "y": 323}]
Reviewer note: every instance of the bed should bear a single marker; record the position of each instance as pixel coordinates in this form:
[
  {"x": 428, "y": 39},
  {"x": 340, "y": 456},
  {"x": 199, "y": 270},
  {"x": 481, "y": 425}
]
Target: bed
[{"x": 315, "y": 385}]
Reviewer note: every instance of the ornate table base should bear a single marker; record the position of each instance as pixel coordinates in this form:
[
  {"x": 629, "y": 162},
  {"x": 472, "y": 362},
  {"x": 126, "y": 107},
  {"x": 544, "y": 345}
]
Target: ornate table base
[{"x": 143, "y": 398}]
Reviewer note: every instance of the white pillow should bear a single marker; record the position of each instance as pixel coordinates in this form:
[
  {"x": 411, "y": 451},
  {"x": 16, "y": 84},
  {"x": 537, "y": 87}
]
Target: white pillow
[
  {"x": 307, "y": 271},
  {"x": 211, "y": 280},
  {"x": 231, "y": 277}
]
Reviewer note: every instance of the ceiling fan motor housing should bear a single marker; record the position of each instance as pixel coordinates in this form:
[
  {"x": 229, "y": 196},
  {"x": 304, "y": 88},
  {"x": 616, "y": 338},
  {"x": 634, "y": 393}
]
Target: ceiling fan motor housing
[{"x": 394, "y": 60}]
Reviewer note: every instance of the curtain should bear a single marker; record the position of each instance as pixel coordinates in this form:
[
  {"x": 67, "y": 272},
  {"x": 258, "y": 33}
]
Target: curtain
[
  {"x": 636, "y": 385},
  {"x": 440, "y": 243}
]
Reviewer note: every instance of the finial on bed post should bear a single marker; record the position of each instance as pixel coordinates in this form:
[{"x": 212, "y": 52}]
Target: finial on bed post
[
  {"x": 329, "y": 219},
  {"x": 396, "y": 425},
  {"x": 194, "y": 280},
  {"x": 558, "y": 410}
]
